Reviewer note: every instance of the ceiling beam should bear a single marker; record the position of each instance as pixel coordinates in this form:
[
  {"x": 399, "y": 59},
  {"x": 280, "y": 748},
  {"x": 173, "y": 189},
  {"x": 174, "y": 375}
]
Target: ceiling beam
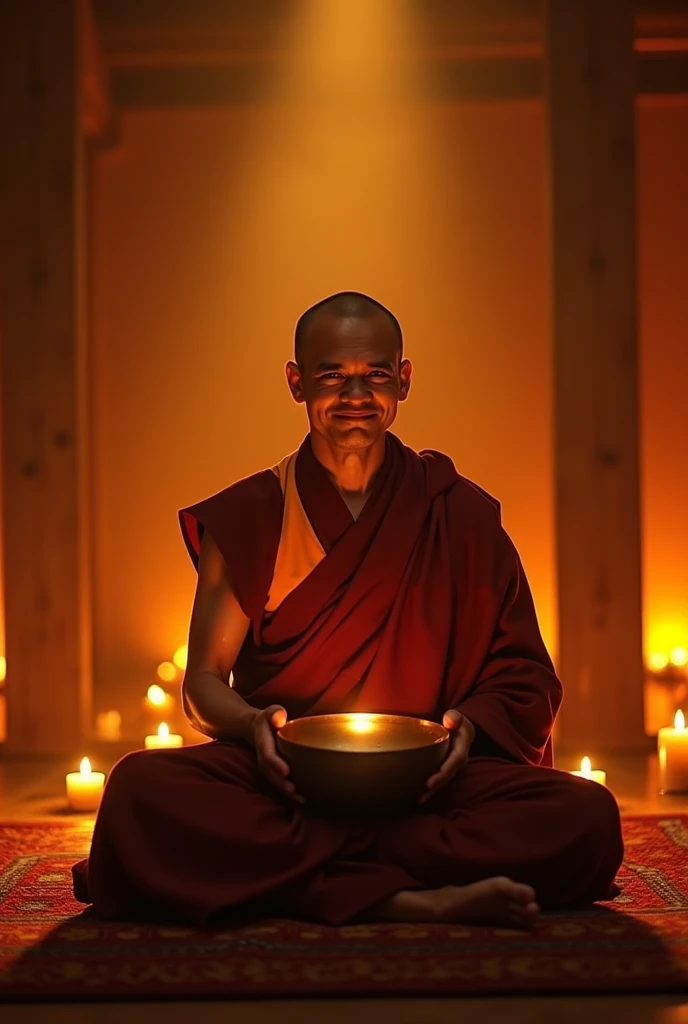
[
  {"x": 447, "y": 80},
  {"x": 97, "y": 105}
]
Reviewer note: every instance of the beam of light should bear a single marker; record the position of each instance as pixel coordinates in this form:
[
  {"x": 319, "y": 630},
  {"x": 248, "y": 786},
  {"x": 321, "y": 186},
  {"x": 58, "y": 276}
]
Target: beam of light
[{"x": 339, "y": 186}]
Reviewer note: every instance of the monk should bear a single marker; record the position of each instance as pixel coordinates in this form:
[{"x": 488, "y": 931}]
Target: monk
[{"x": 357, "y": 575}]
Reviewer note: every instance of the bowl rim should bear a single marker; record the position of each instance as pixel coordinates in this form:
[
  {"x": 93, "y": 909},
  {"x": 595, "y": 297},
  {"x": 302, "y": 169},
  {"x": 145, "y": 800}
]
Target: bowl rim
[{"x": 441, "y": 737}]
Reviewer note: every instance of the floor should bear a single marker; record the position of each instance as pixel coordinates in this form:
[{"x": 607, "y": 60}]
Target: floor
[{"x": 33, "y": 790}]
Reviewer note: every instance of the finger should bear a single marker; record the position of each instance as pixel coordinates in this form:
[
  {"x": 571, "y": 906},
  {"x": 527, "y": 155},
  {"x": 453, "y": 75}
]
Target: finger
[
  {"x": 435, "y": 783},
  {"x": 452, "y": 719},
  {"x": 446, "y": 773},
  {"x": 426, "y": 796},
  {"x": 268, "y": 753},
  {"x": 267, "y": 749},
  {"x": 278, "y": 780},
  {"x": 278, "y": 718},
  {"x": 289, "y": 790},
  {"x": 432, "y": 785},
  {"x": 454, "y": 760},
  {"x": 458, "y": 749},
  {"x": 276, "y": 764},
  {"x": 432, "y": 792},
  {"x": 434, "y": 780},
  {"x": 281, "y": 784}
]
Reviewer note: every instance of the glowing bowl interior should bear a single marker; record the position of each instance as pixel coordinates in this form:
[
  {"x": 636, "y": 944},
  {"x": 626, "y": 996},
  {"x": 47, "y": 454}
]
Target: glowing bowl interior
[{"x": 362, "y": 764}]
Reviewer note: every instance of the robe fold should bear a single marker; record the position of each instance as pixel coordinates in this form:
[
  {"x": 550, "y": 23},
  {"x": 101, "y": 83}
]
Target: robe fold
[{"x": 417, "y": 606}]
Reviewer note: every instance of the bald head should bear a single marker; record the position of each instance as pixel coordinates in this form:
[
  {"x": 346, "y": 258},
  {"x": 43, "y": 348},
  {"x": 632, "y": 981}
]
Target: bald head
[
  {"x": 349, "y": 371},
  {"x": 346, "y": 305}
]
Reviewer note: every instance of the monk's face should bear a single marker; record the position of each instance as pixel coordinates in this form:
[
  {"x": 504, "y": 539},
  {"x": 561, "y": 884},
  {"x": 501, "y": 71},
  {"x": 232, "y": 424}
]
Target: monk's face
[{"x": 351, "y": 377}]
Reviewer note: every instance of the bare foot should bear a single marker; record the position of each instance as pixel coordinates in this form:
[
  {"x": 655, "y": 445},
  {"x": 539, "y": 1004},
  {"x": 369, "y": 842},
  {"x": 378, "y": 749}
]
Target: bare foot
[{"x": 495, "y": 901}]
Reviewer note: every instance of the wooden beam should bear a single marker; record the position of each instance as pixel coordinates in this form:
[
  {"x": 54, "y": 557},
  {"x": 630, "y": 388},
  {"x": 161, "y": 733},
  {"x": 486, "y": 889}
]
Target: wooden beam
[
  {"x": 591, "y": 121},
  {"x": 444, "y": 78},
  {"x": 222, "y": 52},
  {"x": 98, "y": 112},
  {"x": 44, "y": 378}
]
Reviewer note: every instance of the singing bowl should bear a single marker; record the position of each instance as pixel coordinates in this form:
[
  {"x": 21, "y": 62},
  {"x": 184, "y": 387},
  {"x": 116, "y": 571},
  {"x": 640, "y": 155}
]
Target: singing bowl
[{"x": 361, "y": 764}]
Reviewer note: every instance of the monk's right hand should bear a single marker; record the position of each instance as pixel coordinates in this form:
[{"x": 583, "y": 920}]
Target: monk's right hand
[{"x": 273, "y": 767}]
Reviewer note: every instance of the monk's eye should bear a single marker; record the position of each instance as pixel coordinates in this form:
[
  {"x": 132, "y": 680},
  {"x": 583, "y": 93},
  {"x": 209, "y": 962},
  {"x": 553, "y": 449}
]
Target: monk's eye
[
  {"x": 379, "y": 374},
  {"x": 330, "y": 376}
]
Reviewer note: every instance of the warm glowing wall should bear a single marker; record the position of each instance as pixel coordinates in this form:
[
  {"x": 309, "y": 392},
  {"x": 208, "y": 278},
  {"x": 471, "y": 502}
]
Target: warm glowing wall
[
  {"x": 192, "y": 334},
  {"x": 663, "y": 173}
]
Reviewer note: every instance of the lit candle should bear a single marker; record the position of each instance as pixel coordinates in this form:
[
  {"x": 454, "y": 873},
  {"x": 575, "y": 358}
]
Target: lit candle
[
  {"x": 85, "y": 788},
  {"x": 109, "y": 726},
  {"x": 672, "y": 746},
  {"x": 164, "y": 738},
  {"x": 158, "y": 701},
  {"x": 588, "y": 772}
]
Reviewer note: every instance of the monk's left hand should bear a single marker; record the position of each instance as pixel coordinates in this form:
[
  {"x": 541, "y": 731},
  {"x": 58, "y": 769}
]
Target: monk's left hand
[{"x": 462, "y": 734}]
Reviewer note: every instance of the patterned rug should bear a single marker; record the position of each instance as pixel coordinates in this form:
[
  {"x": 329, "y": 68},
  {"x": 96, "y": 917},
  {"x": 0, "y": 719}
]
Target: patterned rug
[{"x": 50, "y": 948}]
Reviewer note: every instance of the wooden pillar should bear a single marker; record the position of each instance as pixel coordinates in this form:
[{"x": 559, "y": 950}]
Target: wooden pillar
[
  {"x": 44, "y": 378},
  {"x": 591, "y": 128}
]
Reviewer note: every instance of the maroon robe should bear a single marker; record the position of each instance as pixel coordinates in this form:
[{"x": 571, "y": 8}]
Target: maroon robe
[{"x": 420, "y": 605}]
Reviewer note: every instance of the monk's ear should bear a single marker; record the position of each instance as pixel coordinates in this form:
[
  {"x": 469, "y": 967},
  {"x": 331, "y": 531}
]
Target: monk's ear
[
  {"x": 405, "y": 372},
  {"x": 293, "y": 372}
]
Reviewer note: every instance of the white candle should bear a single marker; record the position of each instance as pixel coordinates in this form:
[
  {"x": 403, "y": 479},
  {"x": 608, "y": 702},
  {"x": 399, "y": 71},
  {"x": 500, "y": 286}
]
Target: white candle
[
  {"x": 164, "y": 738},
  {"x": 85, "y": 788},
  {"x": 672, "y": 746},
  {"x": 588, "y": 772}
]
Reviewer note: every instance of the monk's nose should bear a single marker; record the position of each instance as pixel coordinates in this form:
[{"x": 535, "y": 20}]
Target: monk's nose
[{"x": 356, "y": 389}]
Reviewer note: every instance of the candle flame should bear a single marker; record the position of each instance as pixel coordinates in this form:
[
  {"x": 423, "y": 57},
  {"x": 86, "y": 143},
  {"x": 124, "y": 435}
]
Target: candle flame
[
  {"x": 657, "y": 661},
  {"x": 85, "y": 768},
  {"x": 164, "y": 731},
  {"x": 586, "y": 768},
  {"x": 180, "y": 656},
  {"x": 679, "y": 721},
  {"x": 361, "y": 722},
  {"x": 156, "y": 695}
]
